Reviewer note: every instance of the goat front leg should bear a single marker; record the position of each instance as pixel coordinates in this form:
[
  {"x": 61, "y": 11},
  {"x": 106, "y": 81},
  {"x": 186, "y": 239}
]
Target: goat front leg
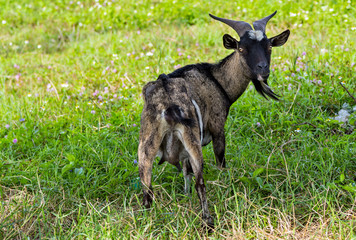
[
  {"x": 187, "y": 173},
  {"x": 219, "y": 148}
]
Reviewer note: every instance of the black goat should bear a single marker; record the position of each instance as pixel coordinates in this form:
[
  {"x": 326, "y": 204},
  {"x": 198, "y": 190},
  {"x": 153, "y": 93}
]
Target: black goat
[{"x": 187, "y": 108}]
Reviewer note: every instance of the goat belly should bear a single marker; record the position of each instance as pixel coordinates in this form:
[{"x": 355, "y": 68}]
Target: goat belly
[
  {"x": 171, "y": 148},
  {"x": 206, "y": 138}
]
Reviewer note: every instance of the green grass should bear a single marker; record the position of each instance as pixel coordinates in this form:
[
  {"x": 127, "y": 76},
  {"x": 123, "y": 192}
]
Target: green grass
[{"x": 72, "y": 173}]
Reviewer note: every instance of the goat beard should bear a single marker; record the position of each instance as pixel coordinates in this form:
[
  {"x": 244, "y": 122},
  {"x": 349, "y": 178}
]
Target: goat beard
[{"x": 263, "y": 89}]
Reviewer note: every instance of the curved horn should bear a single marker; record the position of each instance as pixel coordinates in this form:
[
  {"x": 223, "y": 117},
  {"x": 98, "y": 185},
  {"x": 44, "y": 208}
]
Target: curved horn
[
  {"x": 261, "y": 24},
  {"x": 239, "y": 26}
]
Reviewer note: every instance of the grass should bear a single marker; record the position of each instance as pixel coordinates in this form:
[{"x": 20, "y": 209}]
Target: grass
[{"x": 71, "y": 75}]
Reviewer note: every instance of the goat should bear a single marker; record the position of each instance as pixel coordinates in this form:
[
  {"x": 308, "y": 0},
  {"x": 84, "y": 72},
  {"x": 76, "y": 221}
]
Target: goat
[{"x": 187, "y": 109}]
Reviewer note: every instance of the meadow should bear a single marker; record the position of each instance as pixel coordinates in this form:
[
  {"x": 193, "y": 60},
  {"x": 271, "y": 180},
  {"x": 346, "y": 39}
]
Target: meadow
[{"x": 71, "y": 75}]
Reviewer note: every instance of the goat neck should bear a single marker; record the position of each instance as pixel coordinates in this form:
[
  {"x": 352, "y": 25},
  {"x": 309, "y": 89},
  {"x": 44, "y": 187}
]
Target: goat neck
[{"x": 230, "y": 74}]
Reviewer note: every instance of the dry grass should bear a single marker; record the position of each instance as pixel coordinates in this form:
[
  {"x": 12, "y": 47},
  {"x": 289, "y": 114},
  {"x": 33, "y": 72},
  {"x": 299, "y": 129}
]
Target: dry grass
[{"x": 22, "y": 215}]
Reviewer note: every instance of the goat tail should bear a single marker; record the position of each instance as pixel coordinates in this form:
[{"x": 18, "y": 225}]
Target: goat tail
[{"x": 174, "y": 114}]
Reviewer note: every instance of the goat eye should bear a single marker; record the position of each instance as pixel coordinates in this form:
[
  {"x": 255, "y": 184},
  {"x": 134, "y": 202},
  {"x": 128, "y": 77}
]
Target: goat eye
[{"x": 241, "y": 49}]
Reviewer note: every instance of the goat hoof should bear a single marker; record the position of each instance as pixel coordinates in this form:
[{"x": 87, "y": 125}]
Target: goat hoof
[
  {"x": 208, "y": 224},
  {"x": 147, "y": 204},
  {"x": 221, "y": 166},
  {"x": 147, "y": 201}
]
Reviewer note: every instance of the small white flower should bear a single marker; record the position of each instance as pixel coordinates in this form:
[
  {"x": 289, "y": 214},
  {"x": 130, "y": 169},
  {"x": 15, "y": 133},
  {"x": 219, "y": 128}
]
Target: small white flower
[
  {"x": 323, "y": 50},
  {"x": 39, "y": 46},
  {"x": 3, "y": 21},
  {"x": 64, "y": 85}
]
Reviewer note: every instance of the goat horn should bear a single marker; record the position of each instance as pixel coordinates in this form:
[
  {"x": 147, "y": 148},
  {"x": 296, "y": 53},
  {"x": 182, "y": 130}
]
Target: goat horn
[
  {"x": 239, "y": 26},
  {"x": 261, "y": 24}
]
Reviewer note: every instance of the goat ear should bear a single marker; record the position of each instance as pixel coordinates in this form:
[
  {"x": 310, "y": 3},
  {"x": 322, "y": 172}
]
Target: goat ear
[
  {"x": 229, "y": 42},
  {"x": 280, "y": 39}
]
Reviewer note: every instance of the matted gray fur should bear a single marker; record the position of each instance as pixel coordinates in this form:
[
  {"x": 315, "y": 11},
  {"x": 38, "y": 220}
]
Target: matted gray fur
[{"x": 187, "y": 109}]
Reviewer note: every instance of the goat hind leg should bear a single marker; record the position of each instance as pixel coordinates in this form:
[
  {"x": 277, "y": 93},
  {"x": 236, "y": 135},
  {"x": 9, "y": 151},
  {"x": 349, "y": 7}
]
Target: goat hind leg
[
  {"x": 147, "y": 151},
  {"x": 193, "y": 147}
]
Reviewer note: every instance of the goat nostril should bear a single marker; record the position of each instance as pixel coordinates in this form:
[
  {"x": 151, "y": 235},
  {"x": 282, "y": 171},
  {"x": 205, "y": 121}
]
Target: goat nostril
[{"x": 262, "y": 65}]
